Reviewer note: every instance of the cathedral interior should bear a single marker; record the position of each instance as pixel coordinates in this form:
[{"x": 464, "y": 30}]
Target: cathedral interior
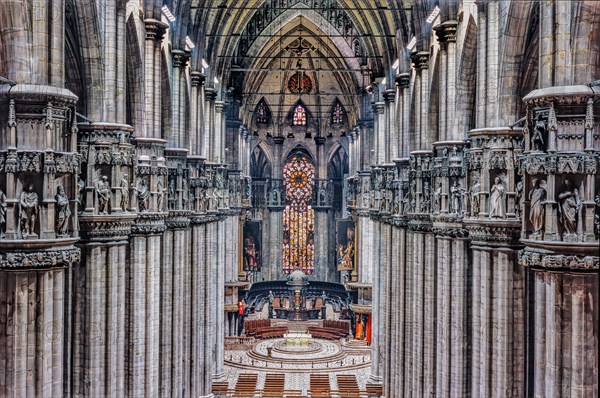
[{"x": 298, "y": 198}]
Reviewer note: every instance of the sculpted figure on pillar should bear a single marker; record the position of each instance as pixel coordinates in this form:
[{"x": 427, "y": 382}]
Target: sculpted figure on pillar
[
  {"x": 456, "y": 194},
  {"x": 437, "y": 198},
  {"x": 102, "y": 195},
  {"x": 63, "y": 212},
  {"x": 124, "y": 192},
  {"x": 569, "y": 206},
  {"x": 28, "y": 211},
  {"x": 160, "y": 195},
  {"x": 426, "y": 197},
  {"x": 80, "y": 193},
  {"x": 518, "y": 196},
  {"x": 537, "y": 199},
  {"x": 537, "y": 138},
  {"x": 475, "y": 189},
  {"x": 184, "y": 194},
  {"x": 2, "y": 213},
  {"x": 497, "y": 199},
  {"x": 143, "y": 195},
  {"x": 172, "y": 199}
]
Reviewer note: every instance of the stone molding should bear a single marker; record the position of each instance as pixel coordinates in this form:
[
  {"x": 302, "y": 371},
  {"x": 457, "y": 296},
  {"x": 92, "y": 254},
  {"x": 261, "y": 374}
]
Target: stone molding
[
  {"x": 105, "y": 228},
  {"x": 558, "y": 262},
  {"x": 149, "y": 224},
  {"x": 38, "y": 254}
]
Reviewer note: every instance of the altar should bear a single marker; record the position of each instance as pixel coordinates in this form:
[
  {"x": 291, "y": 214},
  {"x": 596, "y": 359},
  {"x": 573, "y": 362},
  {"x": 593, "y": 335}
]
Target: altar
[{"x": 297, "y": 339}]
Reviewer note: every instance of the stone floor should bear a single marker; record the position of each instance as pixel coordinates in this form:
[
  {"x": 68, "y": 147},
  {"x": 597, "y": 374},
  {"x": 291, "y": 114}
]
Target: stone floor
[{"x": 322, "y": 356}]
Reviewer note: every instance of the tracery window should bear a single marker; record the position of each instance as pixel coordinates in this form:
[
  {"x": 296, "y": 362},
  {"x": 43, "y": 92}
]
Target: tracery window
[
  {"x": 337, "y": 116},
  {"x": 299, "y": 115},
  {"x": 262, "y": 113},
  {"x": 298, "y": 215}
]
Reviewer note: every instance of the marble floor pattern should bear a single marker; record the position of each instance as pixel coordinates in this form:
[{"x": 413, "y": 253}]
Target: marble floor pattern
[{"x": 331, "y": 357}]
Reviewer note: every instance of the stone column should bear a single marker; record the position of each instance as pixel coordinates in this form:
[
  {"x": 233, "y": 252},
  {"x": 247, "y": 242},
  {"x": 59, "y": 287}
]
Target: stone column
[
  {"x": 220, "y": 302},
  {"x": 155, "y": 31},
  {"x": 444, "y": 316},
  {"x": 178, "y": 96},
  {"x": 380, "y": 133},
  {"x": 446, "y": 32},
  {"x": 208, "y": 142},
  {"x": 377, "y": 262},
  {"x": 219, "y": 133},
  {"x": 197, "y": 113},
  {"x": 421, "y": 63},
  {"x": 391, "y": 140}
]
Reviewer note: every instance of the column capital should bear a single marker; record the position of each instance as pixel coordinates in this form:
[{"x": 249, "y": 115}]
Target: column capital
[
  {"x": 197, "y": 78},
  {"x": 378, "y": 107},
  {"x": 155, "y": 29},
  {"x": 403, "y": 79},
  {"x": 219, "y": 106},
  {"x": 180, "y": 58},
  {"x": 420, "y": 59},
  {"x": 210, "y": 94},
  {"x": 389, "y": 95},
  {"x": 446, "y": 31}
]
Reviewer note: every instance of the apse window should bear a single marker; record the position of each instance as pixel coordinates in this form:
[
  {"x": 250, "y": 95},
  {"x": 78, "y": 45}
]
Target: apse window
[
  {"x": 299, "y": 115},
  {"x": 298, "y": 215}
]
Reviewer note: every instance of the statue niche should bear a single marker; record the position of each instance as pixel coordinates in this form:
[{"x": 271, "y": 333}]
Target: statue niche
[{"x": 28, "y": 212}]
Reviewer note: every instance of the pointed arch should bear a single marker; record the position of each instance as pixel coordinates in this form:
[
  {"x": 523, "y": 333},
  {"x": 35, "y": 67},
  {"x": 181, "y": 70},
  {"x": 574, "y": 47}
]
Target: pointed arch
[
  {"x": 337, "y": 164},
  {"x": 260, "y": 162},
  {"x": 299, "y": 149}
]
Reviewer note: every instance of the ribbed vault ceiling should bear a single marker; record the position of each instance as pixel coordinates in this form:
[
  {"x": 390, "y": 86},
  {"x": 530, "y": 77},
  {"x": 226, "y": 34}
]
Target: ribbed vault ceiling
[{"x": 247, "y": 44}]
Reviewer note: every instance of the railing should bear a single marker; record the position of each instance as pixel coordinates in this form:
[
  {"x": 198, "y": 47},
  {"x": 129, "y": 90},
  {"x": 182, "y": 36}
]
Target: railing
[{"x": 239, "y": 340}]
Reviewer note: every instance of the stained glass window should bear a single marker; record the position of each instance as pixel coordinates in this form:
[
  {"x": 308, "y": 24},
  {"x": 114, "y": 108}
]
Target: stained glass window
[
  {"x": 298, "y": 216},
  {"x": 338, "y": 114},
  {"x": 299, "y": 115},
  {"x": 262, "y": 113}
]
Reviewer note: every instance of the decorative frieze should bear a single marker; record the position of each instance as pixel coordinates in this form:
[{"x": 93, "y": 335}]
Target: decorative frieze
[
  {"x": 149, "y": 224},
  {"x": 41, "y": 259},
  {"x": 535, "y": 259},
  {"x": 105, "y": 228}
]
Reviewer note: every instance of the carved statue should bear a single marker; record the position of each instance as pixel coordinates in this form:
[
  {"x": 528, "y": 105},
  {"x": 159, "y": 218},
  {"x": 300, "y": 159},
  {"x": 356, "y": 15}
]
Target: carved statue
[
  {"x": 537, "y": 138},
  {"x": 184, "y": 194},
  {"x": 456, "y": 193},
  {"x": 426, "y": 197},
  {"x": 124, "y": 192},
  {"x": 437, "y": 198},
  {"x": 569, "y": 206},
  {"x": 160, "y": 195},
  {"x": 497, "y": 204},
  {"x": 80, "y": 193},
  {"x": 271, "y": 297},
  {"x": 102, "y": 195},
  {"x": 28, "y": 211},
  {"x": 2, "y": 213},
  {"x": 143, "y": 195},
  {"x": 518, "y": 196},
  {"x": 172, "y": 199},
  {"x": 63, "y": 212},
  {"x": 537, "y": 199},
  {"x": 323, "y": 193},
  {"x": 475, "y": 189}
]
